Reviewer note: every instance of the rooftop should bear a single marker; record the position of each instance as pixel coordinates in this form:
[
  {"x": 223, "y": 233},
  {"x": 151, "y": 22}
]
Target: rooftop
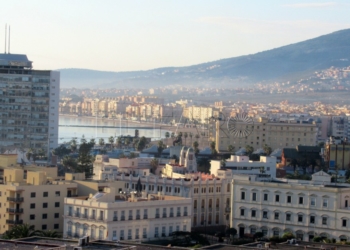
[{"x": 17, "y": 60}]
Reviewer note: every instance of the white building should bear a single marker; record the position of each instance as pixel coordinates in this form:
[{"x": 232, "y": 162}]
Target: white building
[
  {"x": 305, "y": 208},
  {"x": 242, "y": 165},
  {"x": 29, "y": 104},
  {"x": 109, "y": 216}
]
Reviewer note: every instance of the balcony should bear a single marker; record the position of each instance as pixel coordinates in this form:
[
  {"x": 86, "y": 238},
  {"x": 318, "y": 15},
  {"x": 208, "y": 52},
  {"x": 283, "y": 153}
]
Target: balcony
[
  {"x": 185, "y": 214},
  {"x": 15, "y": 199},
  {"x": 157, "y": 215},
  {"x": 145, "y": 216},
  {"x": 164, "y": 215},
  {"x": 84, "y": 216},
  {"x": 171, "y": 215},
  {"x": 122, "y": 217},
  {"x": 136, "y": 237},
  {"x": 100, "y": 218},
  {"x": 77, "y": 215},
  {"x": 14, "y": 222},
  {"x": 69, "y": 234},
  {"x": 115, "y": 218},
  {"x": 130, "y": 217},
  {"x": 144, "y": 236},
  {"x": 14, "y": 210},
  {"x": 163, "y": 235},
  {"x": 138, "y": 217},
  {"x": 178, "y": 214},
  {"x": 93, "y": 217}
]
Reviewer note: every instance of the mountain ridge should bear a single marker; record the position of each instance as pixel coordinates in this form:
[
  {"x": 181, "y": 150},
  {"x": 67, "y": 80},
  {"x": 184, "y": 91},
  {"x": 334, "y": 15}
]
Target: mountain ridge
[{"x": 270, "y": 65}]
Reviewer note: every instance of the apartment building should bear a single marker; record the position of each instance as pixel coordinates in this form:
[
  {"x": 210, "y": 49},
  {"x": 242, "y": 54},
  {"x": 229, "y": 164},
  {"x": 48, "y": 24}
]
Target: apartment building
[
  {"x": 35, "y": 198},
  {"x": 109, "y": 215},
  {"x": 304, "y": 208},
  {"x": 29, "y": 102},
  {"x": 242, "y": 165},
  {"x": 337, "y": 154},
  {"x": 264, "y": 131},
  {"x": 199, "y": 113}
]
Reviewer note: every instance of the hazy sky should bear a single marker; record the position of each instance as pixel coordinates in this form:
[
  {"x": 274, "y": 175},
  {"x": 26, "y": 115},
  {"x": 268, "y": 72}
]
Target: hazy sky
[{"x": 139, "y": 35}]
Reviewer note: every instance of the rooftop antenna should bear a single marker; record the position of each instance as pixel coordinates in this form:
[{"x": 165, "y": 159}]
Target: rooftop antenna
[
  {"x": 5, "y": 36},
  {"x": 8, "y": 51}
]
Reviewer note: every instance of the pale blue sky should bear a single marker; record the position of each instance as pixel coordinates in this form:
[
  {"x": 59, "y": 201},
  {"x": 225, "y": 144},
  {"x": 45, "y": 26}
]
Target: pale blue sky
[{"x": 139, "y": 35}]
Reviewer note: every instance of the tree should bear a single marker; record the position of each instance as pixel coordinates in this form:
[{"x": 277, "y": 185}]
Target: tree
[
  {"x": 161, "y": 147},
  {"x": 212, "y": 148},
  {"x": 92, "y": 141},
  {"x": 267, "y": 149},
  {"x": 111, "y": 141},
  {"x": 195, "y": 147},
  {"x": 172, "y": 135},
  {"x": 127, "y": 141},
  {"x": 154, "y": 164},
  {"x": 230, "y": 148},
  {"x": 82, "y": 140},
  {"x": 20, "y": 231},
  {"x": 185, "y": 136},
  {"x": 101, "y": 142},
  {"x": 249, "y": 150},
  {"x": 60, "y": 151},
  {"x": 231, "y": 232},
  {"x": 41, "y": 153},
  {"x": 85, "y": 159},
  {"x": 141, "y": 144},
  {"x": 223, "y": 163},
  {"x": 73, "y": 145},
  {"x": 294, "y": 163},
  {"x": 167, "y": 135},
  {"x": 49, "y": 234},
  {"x": 203, "y": 165},
  {"x": 190, "y": 135},
  {"x": 69, "y": 164},
  {"x": 197, "y": 136},
  {"x": 119, "y": 141}
]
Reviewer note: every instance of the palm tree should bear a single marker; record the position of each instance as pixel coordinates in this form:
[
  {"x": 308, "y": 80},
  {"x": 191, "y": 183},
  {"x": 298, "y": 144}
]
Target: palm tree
[
  {"x": 213, "y": 149},
  {"x": 119, "y": 141},
  {"x": 20, "y": 231},
  {"x": 190, "y": 135},
  {"x": 49, "y": 234},
  {"x": 161, "y": 146},
  {"x": 83, "y": 140},
  {"x": 69, "y": 163},
  {"x": 185, "y": 136},
  {"x": 73, "y": 145},
  {"x": 111, "y": 141},
  {"x": 172, "y": 135},
  {"x": 101, "y": 142},
  {"x": 195, "y": 147},
  {"x": 154, "y": 164},
  {"x": 92, "y": 141},
  {"x": 167, "y": 135},
  {"x": 267, "y": 149},
  {"x": 230, "y": 148},
  {"x": 249, "y": 150}
]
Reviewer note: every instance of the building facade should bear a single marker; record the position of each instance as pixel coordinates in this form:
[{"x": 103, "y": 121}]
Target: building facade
[
  {"x": 264, "y": 131},
  {"x": 109, "y": 216},
  {"x": 36, "y": 200},
  {"x": 304, "y": 208},
  {"x": 29, "y": 101}
]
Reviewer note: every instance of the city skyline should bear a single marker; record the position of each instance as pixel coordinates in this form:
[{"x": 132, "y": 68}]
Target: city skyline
[{"x": 126, "y": 36}]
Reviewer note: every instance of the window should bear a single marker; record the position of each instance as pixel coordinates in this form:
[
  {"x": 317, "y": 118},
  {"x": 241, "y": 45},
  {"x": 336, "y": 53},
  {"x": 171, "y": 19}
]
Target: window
[
  {"x": 312, "y": 201},
  {"x": 288, "y": 217},
  {"x": 56, "y": 226},
  {"x": 45, "y": 205},
  {"x": 57, "y": 193},
  {"x": 242, "y": 195},
  {"x": 253, "y": 213},
  {"x": 344, "y": 222},
  {"x": 32, "y": 195},
  {"x": 254, "y": 197},
  {"x": 32, "y": 217},
  {"x": 45, "y": 194},
  {"x": 300, "y": 218},
  {"x": 32, "y": 205},
  {"x": 325, "y": 203},
  {"x": 289, "y": 199},
  {"x": 44, "y": 216},
  {"x": 277, "y": 198},
  {"x": 57, "y": 204},
  {"x": 264, "y": 214},
  {"x": 312, "y": 219},
  {"x": 57, "y": 215},
  {"x": 43, "y": 227},
  {"x": 324, "y": 220},
  {"x": 242, "y": 211},
  {"x": 277, "y": 215},
  {"x": 266, "y": 197},
  {"x": 301, "y": 200}
]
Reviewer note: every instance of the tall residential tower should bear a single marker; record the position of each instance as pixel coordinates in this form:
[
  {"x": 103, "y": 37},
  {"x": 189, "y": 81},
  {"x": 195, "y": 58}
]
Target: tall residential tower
[{"x": 28, "y": 104}]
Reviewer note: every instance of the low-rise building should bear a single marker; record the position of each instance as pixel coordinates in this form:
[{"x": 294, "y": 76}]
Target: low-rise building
[
  {"x": 110, "y": 216},
  {"x": 304, "y": 208}
]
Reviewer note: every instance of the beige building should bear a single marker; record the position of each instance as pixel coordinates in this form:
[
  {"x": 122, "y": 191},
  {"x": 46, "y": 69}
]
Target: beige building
[
  {"x": 274, "y": 134},
  {"x": 35, "y": 198},
  {"x": 199, "y": 113},
  {"x": 109, "y": 215},
  {"x": 304, "y": 208}
]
